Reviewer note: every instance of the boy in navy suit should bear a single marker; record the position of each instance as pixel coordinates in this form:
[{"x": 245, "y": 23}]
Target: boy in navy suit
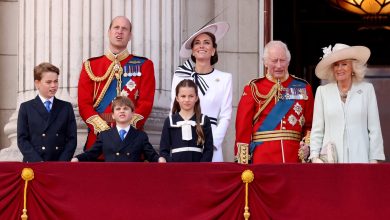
[
  {"x": 46, "y": 125},
  {"x": 122, "y": 143}
]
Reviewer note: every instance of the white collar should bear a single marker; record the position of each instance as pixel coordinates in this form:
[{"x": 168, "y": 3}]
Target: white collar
[
  {"x": 45, "y": 99},
  {"x": 126, "y": 128}
]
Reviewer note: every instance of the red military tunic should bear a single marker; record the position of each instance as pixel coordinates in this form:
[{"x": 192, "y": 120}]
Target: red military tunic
[
  {"x": 281, "y": 144},
  {"x": 93, "y": 86}
]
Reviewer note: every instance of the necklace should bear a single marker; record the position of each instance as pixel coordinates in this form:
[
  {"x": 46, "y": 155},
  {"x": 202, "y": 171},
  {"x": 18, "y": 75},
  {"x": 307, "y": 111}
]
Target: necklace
[{"x": 343, "y": 95}]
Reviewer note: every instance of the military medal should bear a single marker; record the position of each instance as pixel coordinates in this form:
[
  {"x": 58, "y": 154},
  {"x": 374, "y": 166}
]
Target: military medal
[
  {"x": 292, "y": 120},
  {"x": 298, "y": 108},
  {"x": 124, "y": 93},
  {"x": 125, "y": 71},
  {"x": 302, "y": 121},
  {"x": 131, "y": 85}
]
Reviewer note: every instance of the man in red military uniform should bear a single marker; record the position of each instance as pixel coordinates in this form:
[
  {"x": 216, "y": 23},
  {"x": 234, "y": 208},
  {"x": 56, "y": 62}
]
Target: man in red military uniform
[
  {"x": 279, "y": 108},
  {"x": 115, "y": 73}
]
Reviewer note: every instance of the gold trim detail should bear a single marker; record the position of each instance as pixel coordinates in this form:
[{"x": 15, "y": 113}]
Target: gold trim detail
[
  {"x": 98, "y": 123},
  {"x": 104, "y": 90},
  {"x": 242, "y": 156},
  {"x": 247, "y": 177},
  {"x": 27, "y": 175},
  {"x": 276, "y": 135},
  {"x": 115, "y": 69},
  {"x": 120, "y": 56},
  {"x": 272, "y": 79},
  {"x": 92, "y": 76},
  {"x": 257, "y": 96},
  {"x": 135, "y": 119}
]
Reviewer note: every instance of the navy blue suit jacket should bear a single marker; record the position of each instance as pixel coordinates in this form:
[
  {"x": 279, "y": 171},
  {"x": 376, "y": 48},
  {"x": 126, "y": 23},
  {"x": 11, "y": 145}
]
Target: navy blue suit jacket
[
  {"x": 135, "y": 144},
  {"x": 44, "y": 136}
]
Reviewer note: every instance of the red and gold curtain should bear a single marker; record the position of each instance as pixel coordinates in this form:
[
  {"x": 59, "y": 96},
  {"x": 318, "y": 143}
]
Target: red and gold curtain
[{"x": 118, "y": 191}]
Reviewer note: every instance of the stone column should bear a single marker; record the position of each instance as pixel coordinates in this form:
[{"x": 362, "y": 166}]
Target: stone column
[{"x": 68, "y": 32}]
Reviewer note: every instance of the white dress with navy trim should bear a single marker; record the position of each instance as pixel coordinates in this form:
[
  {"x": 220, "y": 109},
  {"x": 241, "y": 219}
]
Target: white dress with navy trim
[{"x": 179, "y": 140}]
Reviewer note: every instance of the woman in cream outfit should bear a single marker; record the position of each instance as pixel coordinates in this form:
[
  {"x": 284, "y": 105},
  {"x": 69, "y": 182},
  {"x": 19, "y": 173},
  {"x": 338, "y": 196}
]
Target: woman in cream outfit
[
  {"x": 215, "y": 87},
  {"x": 345, "y": 110}
]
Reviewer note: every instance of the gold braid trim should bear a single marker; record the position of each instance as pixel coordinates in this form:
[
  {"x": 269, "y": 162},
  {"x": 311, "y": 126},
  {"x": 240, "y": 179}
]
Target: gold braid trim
[
  {"x": 257, "y": 96},
  {"x": 242, "y": 153},
  {"x": 104, "y": 90},
  {"x": 98, "y": 123},
  {"x": 113, "y": 70},
  {"x": 136, "y": 118},
  {"x": 94, "y": 78},
  {"x": 119, "y": 57},
  {"x": 276, "y": 135}
]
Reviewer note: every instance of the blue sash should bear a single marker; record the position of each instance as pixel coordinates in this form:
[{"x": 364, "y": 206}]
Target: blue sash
[
  {"x": 277, "y": 113},
  {"x": 130, "y": 69}
]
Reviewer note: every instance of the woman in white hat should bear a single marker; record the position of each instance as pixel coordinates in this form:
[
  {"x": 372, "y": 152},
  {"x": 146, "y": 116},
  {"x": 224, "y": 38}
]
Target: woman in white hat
[
  {"x": 215, "y": 87},
  {"x": 345, "y": 110}
]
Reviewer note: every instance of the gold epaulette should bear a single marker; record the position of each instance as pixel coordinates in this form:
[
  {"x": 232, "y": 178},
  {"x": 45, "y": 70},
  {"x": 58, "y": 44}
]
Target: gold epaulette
[
  {"x": 254, "y": 80},
  {"x": 98, "y": 123},
  {"x": 301, "y": 79},
  {"x": 136, "y": 117}
]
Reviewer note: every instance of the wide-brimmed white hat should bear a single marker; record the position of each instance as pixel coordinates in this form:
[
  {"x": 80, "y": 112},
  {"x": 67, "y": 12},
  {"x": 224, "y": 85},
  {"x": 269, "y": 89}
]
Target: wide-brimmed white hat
[
  {"x": 339, "y": 52},
  {"x": 219, "y": 29}
]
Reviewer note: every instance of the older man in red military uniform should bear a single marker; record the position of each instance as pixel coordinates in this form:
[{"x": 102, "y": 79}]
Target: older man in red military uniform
[
  {"x": 280, "y": 109},
  {"x": 115, "y": 73}
]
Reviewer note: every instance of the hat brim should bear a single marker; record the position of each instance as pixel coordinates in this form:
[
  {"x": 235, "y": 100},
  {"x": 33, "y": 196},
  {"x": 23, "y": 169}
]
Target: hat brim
[
  {"x": 324, "y": 68},
  {"x": 219, "y": 29}
]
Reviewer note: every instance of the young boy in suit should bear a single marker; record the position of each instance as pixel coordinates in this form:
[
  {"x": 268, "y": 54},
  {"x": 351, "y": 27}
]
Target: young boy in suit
[
  {"x": 46, "y": 125},
  {"x": 122, "y": 143}
]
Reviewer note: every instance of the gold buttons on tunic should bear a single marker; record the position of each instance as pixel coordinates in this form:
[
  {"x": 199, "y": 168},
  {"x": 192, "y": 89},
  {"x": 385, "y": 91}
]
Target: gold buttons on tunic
[
  {"x": 43, "y": 135},
  {"x": 117, "y": 153},
  {"x": 43, "y": 147},
  {"x": 56, "y": 148}
]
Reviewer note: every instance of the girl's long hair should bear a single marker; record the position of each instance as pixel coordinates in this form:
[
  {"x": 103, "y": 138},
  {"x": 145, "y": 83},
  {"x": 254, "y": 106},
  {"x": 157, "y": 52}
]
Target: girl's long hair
[{"x": 198, "y": 113}]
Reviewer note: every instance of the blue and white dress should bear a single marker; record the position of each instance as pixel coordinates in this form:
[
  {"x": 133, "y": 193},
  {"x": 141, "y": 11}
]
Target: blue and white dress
[{"x": 178, "y": 140}]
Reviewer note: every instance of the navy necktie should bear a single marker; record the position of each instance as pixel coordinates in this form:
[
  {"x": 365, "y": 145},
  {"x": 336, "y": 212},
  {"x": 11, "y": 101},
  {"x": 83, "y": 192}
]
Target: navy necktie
[
  {"x": 122, "y": 134},
  {"x": 47, "y": 105}
]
